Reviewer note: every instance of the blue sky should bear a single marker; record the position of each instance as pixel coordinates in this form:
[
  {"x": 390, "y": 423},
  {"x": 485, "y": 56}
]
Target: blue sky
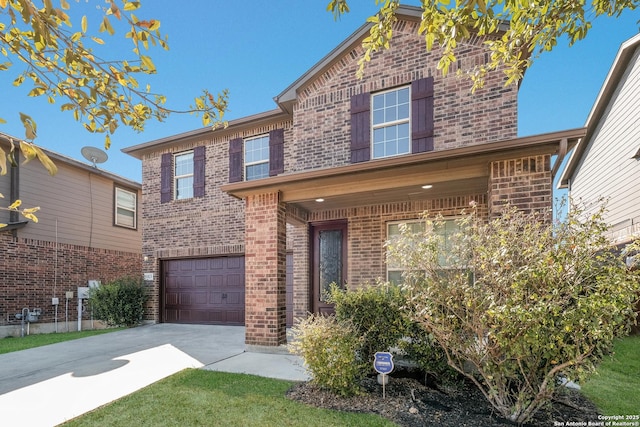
[{"x": 256, "y": 49}]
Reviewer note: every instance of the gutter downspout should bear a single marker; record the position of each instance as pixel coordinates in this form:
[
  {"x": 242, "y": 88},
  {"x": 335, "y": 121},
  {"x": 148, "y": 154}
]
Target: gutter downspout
[{"x": 14, "y": 194}]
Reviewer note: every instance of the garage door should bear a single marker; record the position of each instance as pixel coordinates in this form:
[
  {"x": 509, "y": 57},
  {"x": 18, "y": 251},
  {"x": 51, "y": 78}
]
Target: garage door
[{"x": 204, "y": 290}]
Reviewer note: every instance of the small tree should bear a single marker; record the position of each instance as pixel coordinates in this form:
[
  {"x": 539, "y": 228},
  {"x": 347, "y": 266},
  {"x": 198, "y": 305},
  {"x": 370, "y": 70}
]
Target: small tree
[
  {"x": 518, "y": 301},
  {"x": 119, "y": 303}
]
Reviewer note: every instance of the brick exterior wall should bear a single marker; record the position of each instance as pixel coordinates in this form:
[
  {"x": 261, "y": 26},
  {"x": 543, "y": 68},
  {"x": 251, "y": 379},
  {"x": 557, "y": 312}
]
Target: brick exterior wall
[
  {"x": 34, "y": 271},
  {"x": 367, "y": 230},
  {"x": 322, "y": 113},
  {"x": 265, "y": 272},
  {"x": 318, "y": 136},
  {"x": 525, "y": 183}
]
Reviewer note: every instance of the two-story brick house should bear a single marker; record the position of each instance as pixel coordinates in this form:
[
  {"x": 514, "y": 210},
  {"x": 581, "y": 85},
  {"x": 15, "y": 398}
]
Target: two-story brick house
[{"x": 249, "y": 224}]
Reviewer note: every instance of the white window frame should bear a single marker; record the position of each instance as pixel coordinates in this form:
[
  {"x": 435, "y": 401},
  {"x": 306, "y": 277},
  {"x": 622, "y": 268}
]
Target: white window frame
[
  {"x": 133, "y": 209},
  {"x": 176, "y": 177},
  {"x": 246, "y": 164},
  {"x": 390, "y": 123},
  {"x": 412, "y": 221}
]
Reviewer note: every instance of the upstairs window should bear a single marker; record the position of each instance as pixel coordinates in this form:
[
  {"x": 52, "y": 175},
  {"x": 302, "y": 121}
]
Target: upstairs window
[
  {"x": 183, "y": 176},
  {"x": 390, "y": 113},
  {"x": 126, "y": 204},
  {"x": 256, "y": 158}
]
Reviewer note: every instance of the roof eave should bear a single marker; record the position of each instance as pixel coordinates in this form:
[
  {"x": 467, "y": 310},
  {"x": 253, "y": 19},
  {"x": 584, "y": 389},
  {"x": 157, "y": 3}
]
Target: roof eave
[
  {"x": 554, "y": 139},
  {"x": 138, "y": 151}
]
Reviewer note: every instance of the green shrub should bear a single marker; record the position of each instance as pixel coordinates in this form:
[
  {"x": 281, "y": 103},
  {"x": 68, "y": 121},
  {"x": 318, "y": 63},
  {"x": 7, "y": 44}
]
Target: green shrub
[
  {"x": 328, "y": 348},
  {"x": 384, "y": 317},
  {"x": 377, "y": 314},
  {"x": 119, "y": 303},
  {"x": 518, "y": 301}
]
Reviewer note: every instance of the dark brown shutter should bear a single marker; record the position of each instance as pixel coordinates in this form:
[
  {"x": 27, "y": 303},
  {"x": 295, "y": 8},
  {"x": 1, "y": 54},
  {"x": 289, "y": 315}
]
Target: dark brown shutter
[
  {"x": 276, "y": 152},
  {"x": 166, "y": 177},
  {"x": 235, "y": 160},
  {"x": 198, "y": 171},
  {"x": 422, "y": 115},
  {"x": 360, "y": 128}
]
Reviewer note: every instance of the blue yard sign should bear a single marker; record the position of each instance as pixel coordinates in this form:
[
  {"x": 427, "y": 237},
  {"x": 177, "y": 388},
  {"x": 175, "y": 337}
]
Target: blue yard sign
[{"x": 383, "y": 362}]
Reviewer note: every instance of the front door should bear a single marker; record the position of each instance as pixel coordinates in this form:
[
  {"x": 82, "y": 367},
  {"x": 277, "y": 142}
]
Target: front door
[{"x": 329, "y": 262}]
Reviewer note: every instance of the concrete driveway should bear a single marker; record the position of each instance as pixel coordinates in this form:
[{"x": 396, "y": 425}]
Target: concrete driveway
[{"x": 48, "y": 385}]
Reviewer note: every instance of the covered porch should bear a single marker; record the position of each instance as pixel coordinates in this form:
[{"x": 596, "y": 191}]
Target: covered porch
[{"x": 353, "y": 204}]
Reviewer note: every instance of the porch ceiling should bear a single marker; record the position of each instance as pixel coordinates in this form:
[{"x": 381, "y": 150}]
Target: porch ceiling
[{"x": 450, "y": 172}]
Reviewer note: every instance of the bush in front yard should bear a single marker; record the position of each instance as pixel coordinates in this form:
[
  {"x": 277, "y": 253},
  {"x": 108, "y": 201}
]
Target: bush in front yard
[
  {"x": 328, "y": 348},
  {"x": 119, "y": 303},
  {"x": 518, "y": 301},
  {"x": 382, "y": 315}
]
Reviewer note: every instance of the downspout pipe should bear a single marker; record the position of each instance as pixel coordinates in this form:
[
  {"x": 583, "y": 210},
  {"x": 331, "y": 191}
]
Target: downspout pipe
[{"x": 14, "y": 194}]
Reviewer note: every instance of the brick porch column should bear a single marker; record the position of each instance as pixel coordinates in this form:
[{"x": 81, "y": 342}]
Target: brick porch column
[
  {"x": 265, "y": 270},
  {"x": 526, "y": 183}
]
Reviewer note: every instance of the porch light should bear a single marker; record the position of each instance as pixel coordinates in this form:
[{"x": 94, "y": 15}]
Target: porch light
[
  {"x": 427, "y": 186},
  {"x": 320, "y": 200}
]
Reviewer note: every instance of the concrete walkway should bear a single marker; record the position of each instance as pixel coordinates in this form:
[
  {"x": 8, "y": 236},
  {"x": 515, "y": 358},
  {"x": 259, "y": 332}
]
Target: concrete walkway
[{"x": 48, "y": 385}]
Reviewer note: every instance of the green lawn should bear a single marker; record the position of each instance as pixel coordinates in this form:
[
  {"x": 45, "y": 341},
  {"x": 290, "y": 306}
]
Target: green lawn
[
  {"x": 614, "y": 389},
  {"x": 10, "y": 344},
  {"x": 196, "y": 397}
]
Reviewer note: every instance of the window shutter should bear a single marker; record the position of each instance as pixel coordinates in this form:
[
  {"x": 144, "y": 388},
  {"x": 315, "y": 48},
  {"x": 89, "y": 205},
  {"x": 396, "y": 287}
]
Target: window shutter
[
  {"x": 166, "y": 177},
  {"x": 235, "y": 160},
  {"x": 198, "y": 171},
  {"x": 276, "y": 152},
  {"x": 422, "y": 115},
  {"x": 360, "y": 128}
]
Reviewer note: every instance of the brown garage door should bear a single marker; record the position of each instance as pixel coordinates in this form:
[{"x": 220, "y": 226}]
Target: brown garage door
[{"x": 204, "y": 290}]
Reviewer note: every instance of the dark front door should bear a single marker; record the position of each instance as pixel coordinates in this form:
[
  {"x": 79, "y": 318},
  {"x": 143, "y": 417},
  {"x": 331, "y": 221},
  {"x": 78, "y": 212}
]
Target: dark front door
[{"x": 329, "y": 262}]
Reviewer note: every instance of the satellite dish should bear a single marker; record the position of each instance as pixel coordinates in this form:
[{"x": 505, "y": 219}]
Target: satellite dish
[{"x": 94, "y": 155}]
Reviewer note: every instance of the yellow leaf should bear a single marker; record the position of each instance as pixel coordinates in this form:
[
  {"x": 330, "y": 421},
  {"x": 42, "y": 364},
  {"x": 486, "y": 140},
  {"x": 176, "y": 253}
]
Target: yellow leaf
[
  {"x": 29, "y": 126},
  {"x": 46, "y": 161},
  {"x": 3, "y": 163},
  {"x": 2, "y": 224},
  {"x": 84, "y": 24},
  {"x": 148, "y": 63},
  {"x": 97, "y": 40},
  {"x": 3, "y": 3},
  {"x": 131, "y": 5},
  {"x": 63, "y": 4},
  {"x": 15, "y": 205},
  {"x": 27, "y": 151}
]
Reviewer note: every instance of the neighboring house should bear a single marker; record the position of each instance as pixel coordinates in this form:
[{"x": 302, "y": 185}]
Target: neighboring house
[
  {"x": 88, "y": 229},
  {"x": 250, "y": 224},
  {"x": 606, "y": 162}
]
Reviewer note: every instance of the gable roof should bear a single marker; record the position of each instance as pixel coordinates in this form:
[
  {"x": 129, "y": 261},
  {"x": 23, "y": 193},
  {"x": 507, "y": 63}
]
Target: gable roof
[
  {"x": 286, "y": 98},
  {"x": 611, "y": 83}
]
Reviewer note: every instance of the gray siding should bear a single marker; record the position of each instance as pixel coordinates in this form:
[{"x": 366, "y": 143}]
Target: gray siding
[{"x": 608, "y": 168}]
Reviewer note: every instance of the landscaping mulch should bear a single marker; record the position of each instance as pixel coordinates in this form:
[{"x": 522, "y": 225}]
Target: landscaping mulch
[{"x": 409, "y": 402}]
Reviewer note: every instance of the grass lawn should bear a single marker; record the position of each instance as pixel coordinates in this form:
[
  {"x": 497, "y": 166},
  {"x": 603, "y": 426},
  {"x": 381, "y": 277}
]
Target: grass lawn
[
  {"x": 10, "y": 344},
  {"x": 196, "y": 397},
  {"x": 614, "y": 389}
]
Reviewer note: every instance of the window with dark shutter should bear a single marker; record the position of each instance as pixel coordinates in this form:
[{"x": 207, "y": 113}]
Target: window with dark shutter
[
  {"x": 360, "y": 128},
  {"x": 235, "y": 160},
  {"x": 198, "y": 171},
  {"x": 422, "y": 115},
  {"x": 276, "y": 152},
  {"x": 166, "y": 177}
]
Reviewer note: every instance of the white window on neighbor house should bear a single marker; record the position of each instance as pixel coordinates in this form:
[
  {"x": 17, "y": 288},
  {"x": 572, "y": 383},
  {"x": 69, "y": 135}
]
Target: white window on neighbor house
[
  {"x": 390, "y": 113},
  {"x": 126, "y": 208},
  {"x": 183, "y": 175},
  {"x": 445, "y": 230},
  {"x": 256, "y": 157}
]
